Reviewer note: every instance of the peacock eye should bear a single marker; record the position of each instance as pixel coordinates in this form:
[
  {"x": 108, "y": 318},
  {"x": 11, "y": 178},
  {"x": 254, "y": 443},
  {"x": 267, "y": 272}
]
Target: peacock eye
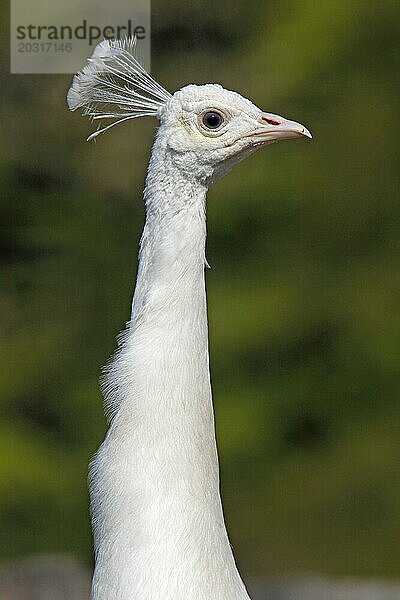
[{"x": 212, "y": 119}]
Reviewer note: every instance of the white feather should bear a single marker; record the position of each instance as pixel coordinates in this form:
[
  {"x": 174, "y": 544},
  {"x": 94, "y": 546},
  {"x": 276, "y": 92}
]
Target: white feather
[{"x": 114, "y": 85}]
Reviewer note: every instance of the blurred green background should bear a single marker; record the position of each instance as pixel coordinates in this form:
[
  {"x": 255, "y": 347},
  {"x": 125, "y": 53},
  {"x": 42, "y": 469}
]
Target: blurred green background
[{"x": 304, "y": 290}]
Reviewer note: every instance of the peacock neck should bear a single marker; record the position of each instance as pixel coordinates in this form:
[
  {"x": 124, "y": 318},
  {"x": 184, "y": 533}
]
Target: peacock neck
[
  {"x": 169, "y": 330},
  {"x": 157, "y": 515},
  {"x": 170, "y": 283}
]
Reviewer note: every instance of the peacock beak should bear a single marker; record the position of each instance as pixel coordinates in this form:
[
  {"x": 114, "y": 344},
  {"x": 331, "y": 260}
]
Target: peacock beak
[{"x": 273, "y": 128}]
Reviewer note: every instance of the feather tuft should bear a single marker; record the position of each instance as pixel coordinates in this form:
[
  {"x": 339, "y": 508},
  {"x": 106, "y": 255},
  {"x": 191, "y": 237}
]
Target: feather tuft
[{"x": 114, "y": 86}]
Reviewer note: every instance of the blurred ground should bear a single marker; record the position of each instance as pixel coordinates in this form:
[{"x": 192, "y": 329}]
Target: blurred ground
[
  {"x": 58, "y": 578},
  {"x": 44, "y": 578},
  {"x": 303, "y": 294}
]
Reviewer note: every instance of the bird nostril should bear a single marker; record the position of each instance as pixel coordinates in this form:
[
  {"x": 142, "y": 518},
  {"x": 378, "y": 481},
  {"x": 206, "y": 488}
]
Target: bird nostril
[{"x": 270, "y": 121}]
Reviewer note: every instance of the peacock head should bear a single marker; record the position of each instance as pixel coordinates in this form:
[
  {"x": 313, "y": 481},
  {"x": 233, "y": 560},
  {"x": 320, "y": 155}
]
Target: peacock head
[
  {"x": 213, "y": 128},
  {"x": 205, "y": 129}
]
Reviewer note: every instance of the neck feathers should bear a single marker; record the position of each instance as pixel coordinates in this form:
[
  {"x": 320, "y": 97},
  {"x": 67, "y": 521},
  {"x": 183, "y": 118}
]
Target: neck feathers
[
  {"x": 172, "y": 248},
  {"x": 157, "y": 515}
]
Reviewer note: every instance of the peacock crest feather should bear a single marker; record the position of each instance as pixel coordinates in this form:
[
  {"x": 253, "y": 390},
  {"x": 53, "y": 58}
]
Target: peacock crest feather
[{"x": 114, "y": 86}]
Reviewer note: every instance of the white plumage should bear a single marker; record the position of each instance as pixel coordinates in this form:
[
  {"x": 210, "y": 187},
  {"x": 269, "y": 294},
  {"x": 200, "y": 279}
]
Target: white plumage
[{"x": 158, "y": 525}]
